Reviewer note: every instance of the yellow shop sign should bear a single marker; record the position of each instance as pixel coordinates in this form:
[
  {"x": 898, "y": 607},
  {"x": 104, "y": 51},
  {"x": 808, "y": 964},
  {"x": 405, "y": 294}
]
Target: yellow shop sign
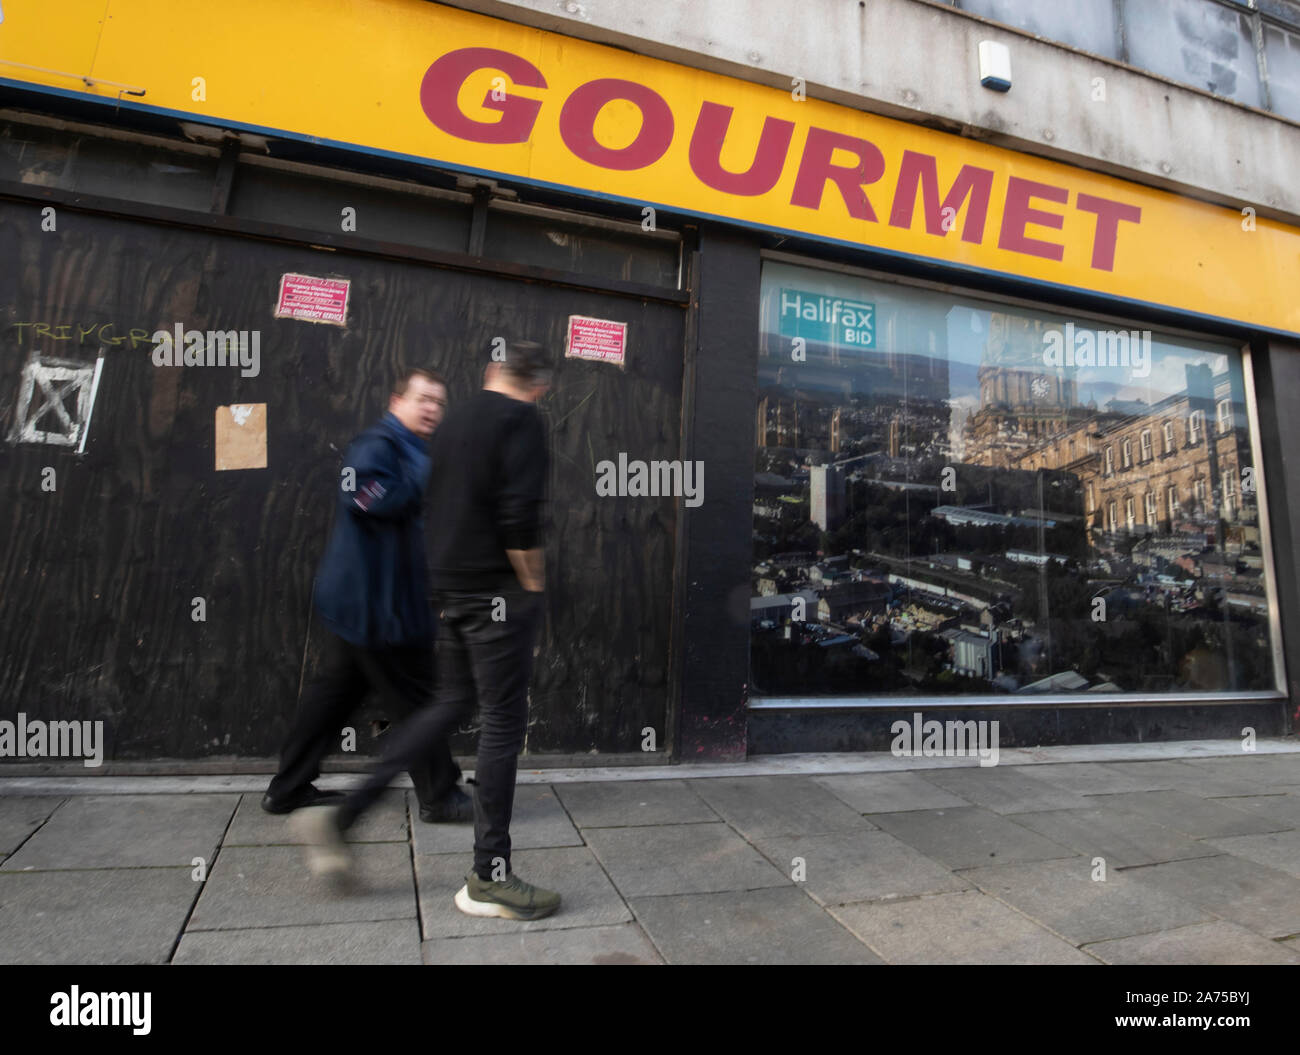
[{"x": 447, "y": 87}]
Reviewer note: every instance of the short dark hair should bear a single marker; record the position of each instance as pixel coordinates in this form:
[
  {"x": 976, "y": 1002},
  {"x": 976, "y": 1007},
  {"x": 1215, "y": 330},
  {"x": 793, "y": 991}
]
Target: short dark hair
[
  {"x": 404, "y": 381},
  {"x": 527, "y": 362}
]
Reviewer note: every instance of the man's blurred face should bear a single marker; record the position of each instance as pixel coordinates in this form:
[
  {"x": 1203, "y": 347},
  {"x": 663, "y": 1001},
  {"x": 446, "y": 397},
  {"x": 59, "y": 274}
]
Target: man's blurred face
[
  {"x": 541, "y": 386},
  {"x": 496, "y": 376},
  {"x": 420, "y": 407}
]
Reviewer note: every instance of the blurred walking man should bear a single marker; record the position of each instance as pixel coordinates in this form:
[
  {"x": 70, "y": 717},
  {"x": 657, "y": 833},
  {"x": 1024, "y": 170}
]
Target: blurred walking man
[
  {"x": 372, "y": 595},
  {"x": 486, "y": 566}
]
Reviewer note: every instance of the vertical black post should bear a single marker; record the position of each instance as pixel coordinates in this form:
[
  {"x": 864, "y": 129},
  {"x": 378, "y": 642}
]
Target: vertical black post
[
  {"x": 478, "y": 221},
  {"x": 225, "y": 176},
  {"x": 720, "y": 393},
  {"x": 1277, "y": 377}
]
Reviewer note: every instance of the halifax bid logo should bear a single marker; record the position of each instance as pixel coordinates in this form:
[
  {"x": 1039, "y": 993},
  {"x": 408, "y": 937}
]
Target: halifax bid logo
[{"x": 830, "y": 320}]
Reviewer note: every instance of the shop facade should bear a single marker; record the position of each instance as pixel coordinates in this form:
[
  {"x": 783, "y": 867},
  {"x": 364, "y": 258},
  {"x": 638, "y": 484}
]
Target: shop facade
[{"x": 891, "y": 419}]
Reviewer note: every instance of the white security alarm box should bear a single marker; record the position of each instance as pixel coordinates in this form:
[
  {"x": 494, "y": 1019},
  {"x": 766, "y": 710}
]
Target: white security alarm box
[{"x": 995, "y": 65}]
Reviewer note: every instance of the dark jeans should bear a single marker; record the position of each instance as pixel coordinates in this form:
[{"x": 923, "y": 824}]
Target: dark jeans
[
  {"x": 404, "y": 679},
  {"x": 485, "y": 661}
]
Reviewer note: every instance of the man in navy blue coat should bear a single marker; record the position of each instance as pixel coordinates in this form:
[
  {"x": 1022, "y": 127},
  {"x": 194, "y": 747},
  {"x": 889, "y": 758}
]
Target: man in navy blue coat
[{"x": 372, "y": 596}]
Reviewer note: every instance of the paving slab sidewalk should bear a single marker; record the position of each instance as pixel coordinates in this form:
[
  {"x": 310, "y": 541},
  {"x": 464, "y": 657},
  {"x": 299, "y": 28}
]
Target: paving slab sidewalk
[{"x": 1170, "y": 860}]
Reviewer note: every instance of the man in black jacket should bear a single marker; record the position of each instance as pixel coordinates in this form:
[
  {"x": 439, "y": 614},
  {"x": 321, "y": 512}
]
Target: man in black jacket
[
  {"x": 488, "y": 575},
  {"x": 372, "y": 595}
]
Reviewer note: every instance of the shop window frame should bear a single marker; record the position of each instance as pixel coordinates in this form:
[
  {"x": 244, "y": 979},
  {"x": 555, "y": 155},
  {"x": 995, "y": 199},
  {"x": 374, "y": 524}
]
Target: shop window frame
[{"x": 1241, "y": 344}]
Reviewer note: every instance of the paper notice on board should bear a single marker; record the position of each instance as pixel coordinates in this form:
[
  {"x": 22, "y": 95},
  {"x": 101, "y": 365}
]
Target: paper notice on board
[
  {"x": 601, "y": 340},
  {"x": 313, "y": 299}
]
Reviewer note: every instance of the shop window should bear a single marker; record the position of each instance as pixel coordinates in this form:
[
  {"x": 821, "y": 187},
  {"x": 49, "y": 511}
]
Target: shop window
[{"x": 912, "y": 488}]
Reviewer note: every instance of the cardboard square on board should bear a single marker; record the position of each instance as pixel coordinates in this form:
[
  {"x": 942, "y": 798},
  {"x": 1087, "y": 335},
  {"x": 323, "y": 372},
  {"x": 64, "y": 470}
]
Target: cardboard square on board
[{"x": 241, "y": 436}]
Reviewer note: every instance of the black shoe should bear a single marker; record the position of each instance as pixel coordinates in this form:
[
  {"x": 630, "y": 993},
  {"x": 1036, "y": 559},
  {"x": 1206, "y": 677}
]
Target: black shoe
[
  {"x": 308, "y": 796},
  {"x": 454, "y": 808}
]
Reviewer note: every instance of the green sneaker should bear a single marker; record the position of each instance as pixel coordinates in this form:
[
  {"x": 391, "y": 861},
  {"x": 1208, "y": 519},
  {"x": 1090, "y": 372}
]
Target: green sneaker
[{"x": 511, "y": 898}]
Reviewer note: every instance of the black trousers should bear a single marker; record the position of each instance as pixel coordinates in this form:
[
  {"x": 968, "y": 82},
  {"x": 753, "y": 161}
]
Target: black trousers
[
  {"x": 404, "y": 679},
  {"x": 485, "y": 657}
]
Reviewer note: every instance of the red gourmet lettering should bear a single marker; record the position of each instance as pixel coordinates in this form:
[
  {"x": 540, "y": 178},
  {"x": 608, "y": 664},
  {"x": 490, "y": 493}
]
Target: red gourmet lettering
[
  {"x": 918, "y": 172},
  {"x": 442, "y": 83},
  {"x": 1109, "y": 214},
  {"x": 706, "y": 152},
  {"x": 815, "y": 169},
  {"x": 1018, "y": 213},
  {"x": 971, "y": 182},
  {"x": 578, "y": 119}
]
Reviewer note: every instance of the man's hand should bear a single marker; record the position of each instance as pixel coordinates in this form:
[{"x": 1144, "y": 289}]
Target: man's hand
[
  {"x": 530, "y": 568},
  {"x": 382, "y": 485}
]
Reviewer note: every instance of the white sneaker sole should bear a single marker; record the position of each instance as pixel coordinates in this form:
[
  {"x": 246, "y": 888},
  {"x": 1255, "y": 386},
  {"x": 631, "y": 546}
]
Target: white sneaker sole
[
  {"x": 481, "y": 908},
  {"x": 327, "y": 855},
  {"x": 492, "y": 908}
]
